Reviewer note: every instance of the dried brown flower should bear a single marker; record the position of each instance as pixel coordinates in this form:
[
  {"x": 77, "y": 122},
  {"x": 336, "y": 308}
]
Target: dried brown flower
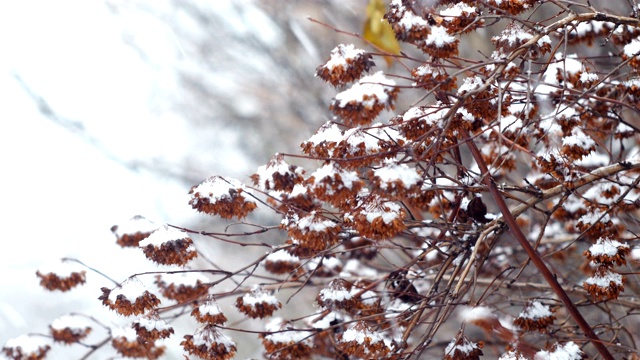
[
  {"x": 25, "y": 347},
  {"x": 535, "y": 317},
  {"x": 258, "y": 303},
  {"x": 209, "y": 313},
  {"x": 361, "y": 341},
  {"x": 346, "y": 65},
  {"x": 282, "y": 341},
  {"x": 169, "y": 246},
  {"x": 209, "y": 344},
  {"x": 604, "y": 284},
  {"x": 221, "y": 196},
  {"x": 69, "y": 329},
  {"x": 182, "y": 287},
  {"x": 151, "y": 328},
  {"x": 127, "y": 344},
  {"x": 363, "y": 101},
  {"x": 129, "y": 298},
  {"x": 461, "y": 348},
  {"x": 130, "y": 233},
  {"x": 62, "y": 276}
]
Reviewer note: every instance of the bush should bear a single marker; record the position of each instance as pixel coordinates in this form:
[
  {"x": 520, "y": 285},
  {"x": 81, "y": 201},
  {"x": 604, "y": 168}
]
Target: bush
[{"x": 495, "y": 216}]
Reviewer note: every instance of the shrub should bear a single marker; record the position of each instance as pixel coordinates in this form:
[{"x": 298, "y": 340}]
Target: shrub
[{"x": 503, "y": 200}]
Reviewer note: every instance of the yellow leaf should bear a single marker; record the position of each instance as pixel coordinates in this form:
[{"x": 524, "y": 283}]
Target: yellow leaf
[{"x": 378, "y": 32}]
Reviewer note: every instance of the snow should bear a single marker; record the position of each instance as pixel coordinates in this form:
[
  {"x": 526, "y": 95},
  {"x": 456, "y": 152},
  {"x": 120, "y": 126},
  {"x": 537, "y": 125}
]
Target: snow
[
  {"x": 457, "y": 10},
  {"x": 439, "y": 37},
  {"x": 579, "y": 138},
  {"x": 163, "y": 235},
  {"x": 622, "y": 127},
  {"x": 128, "y": 333},
  {"x": 632, "y": 49},
  {"x": 327, "y": 262},
  {"x": 210, "y": 308},
  {"x": 594, "y": 159},
  {"x": 415, "y": 112},
  {"x": 371, "y": 137},
  {"x": 360, "y": 336},
  {"x": 423, "y": 70},
  {"x": 466, "y": 115},
  {"x": 634, "y": 82},
  {"x": 465, "y": 348},
  {"x": 568, "y": 351},
  {"x": 511, "y": 355},
  {"x": 432, "y": 115},
  {"x": 605, "y": 280},
  {"x": 510, "y": 123},
  {"x": 388, "y": 215},
  {"x": 185, "y": 278},
  {"x": 580, "y": 29},
  {"x": 410, "y": 20},
  {"x": 151, "y": 324},
  {"x": 136, "y": 224},
  {"x": 310, "y": 223},
  {"x": 71, "y": 322},
  {"x": 265, "y": 172},
  {"x": 596, "y": 193},
  {"x": 61, "y": 268},
  {"x": 392, "y": 171},
  {"x": 298, "y": 189},
  {"x": 130, "y": 289},
  {"x": 282, "y": 255},
  {"x": 342, "y": 55},
  {"x": 535, "y": 310},
  {"x": 470, "y": 84},
  {"x": 329, "y": 132},
  {"x": 568, "y": 65},
  {"x": 217, "y": 188},
  {"x": 591, "y": 218},
  {"x": 335, "y": 294},
  {"x": 372, "y": 87},
  {"x": 28, "y": 344},
  {"x": 285, "y": 335},
  {"x": 367, "y": 298},
  {"x": 544, "y": 40},
  {"x": 586, "y": 77},
  {"x": 330, "y": 171},
  {"x": 207, "y": 337},
  {"x": 472, "y": 314},
  {"x": 513, "y": 35},
  {"x": 259, "y": 296},
  {"x": 549, "y": 125}
]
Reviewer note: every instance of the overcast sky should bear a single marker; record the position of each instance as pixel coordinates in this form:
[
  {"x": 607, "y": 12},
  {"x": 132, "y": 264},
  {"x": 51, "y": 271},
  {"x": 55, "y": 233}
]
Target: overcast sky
[{"x": 59, "y": 193}]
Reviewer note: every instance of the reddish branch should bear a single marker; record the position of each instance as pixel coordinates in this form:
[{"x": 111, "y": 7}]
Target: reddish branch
[{"x": 533, "y": 255}]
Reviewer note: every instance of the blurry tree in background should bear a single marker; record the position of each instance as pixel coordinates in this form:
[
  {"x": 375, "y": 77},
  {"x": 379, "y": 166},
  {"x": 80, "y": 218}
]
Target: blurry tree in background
[
  {"x": 478, "y": 198},
  {"x": 242, "y": 72}
]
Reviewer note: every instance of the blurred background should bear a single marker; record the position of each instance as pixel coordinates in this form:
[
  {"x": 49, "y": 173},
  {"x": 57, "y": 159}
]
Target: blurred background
[{"x": 111, "y": 109}]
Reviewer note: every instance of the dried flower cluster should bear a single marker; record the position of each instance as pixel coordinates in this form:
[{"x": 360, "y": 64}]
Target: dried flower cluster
[
  {"x": 511, "y": 163},
  {"x": 70, "y": 329},
  {"x": 208, "y": 343},
  {"x": 258, "y": 303},
  {"x": 129, "y": 298},
  {"x": 62, "y": 276}
]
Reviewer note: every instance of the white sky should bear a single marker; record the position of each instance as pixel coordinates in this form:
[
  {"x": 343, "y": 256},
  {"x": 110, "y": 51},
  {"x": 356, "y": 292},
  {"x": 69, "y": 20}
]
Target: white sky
[{"x": 59, "y": 195}]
